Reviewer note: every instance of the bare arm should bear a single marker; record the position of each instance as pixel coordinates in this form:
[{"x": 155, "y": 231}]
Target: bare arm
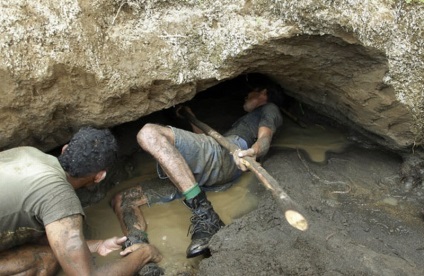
[
  {"x": 261, "y": 146},
  {"x": 258, "y": 149},
  {"x": 67, "y": 241}
]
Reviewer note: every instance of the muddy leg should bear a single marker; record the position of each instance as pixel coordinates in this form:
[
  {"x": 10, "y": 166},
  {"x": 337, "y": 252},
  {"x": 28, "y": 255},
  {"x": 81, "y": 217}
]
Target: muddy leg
[
  {"x": 126, "y": 206},
  {"x": 159, "y": 142},
  {"x": 28, "y": 260}
]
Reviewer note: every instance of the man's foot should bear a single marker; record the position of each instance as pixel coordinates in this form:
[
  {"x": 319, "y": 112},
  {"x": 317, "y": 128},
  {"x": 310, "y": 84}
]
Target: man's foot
[
  {"x": 205, "y": 222},
  {"x": 151, "y": 269}
]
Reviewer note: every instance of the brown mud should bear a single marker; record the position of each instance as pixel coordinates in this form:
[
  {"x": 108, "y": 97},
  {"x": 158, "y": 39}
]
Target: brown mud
[{"x": 361, "y": 222}]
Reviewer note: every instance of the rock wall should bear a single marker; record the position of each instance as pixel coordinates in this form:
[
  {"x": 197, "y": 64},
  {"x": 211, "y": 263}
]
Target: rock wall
[{"x": 65, "y": 64}]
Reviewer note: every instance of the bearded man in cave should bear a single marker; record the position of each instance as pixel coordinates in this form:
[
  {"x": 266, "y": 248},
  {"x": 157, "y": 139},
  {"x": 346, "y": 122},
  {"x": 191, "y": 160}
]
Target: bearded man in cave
[
  {"x": 41, "y": 218},
  {"x": 196, "y": 163}
]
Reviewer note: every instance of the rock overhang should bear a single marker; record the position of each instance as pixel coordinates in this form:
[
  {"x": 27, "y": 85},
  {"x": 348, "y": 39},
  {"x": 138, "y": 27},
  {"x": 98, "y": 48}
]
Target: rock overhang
[{"x": 114, "y": 62}]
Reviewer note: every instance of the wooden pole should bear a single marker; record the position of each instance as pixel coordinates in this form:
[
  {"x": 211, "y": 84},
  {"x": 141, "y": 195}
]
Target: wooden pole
[{"x": 293, "y": 217}]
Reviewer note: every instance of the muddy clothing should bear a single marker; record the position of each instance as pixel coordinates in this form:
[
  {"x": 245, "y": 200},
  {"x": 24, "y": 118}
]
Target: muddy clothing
[
  {"x": 34, "y": 193},
  {"x": 209, "y": 162},
  {"x": 247, "y": 127}
]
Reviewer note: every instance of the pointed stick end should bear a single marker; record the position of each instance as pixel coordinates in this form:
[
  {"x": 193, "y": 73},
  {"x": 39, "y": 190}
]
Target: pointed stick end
[{"x": 296, "y": 220}]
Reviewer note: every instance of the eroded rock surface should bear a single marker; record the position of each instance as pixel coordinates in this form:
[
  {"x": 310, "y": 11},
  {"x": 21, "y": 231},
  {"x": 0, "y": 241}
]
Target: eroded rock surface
[{"x": 71, "y": 63}]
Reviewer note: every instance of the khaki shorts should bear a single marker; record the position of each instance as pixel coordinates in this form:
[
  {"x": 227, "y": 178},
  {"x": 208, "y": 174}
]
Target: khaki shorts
[{"x": 211, "y": 164}]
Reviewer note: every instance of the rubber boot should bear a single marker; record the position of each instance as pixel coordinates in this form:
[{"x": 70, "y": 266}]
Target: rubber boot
[{"x": 205, "y": 222}]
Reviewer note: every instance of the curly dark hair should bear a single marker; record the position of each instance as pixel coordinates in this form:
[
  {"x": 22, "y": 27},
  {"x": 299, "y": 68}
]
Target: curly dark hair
[{"x": 89, "y": 151}]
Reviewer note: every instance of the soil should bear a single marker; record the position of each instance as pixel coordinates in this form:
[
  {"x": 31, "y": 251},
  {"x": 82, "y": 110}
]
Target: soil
[{"x": 360, "y": 221}]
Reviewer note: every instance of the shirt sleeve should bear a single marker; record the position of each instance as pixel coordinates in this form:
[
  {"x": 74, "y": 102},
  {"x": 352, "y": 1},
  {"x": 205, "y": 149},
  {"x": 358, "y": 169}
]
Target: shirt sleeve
[
  {"x": 53, "y": 198},
  {"x": 61, "y": 204},
  {"x": 271, "y": 117}
]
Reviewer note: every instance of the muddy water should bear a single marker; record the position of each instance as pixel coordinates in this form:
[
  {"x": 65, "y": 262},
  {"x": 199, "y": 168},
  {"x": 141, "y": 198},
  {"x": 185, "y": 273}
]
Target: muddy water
[
  {"x": 316, "y": 140},
  {"x": 168, "y": 223}
]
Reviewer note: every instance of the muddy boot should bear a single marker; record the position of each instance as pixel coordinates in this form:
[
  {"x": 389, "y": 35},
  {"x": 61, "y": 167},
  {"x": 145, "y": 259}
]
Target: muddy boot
[
  {"x": 150, "y": 269},
  {"x": 204, "y": 224}
]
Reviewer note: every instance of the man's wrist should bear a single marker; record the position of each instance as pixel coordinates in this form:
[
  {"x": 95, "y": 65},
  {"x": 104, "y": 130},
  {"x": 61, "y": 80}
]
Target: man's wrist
[
  {"x": 138, "y": 237},
  {"x": 94, "y": 245}
]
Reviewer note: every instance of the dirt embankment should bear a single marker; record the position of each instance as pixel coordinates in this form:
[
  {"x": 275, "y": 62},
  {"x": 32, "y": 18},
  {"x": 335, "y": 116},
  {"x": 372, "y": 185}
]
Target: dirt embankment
[{"x": 361, "y": 221}]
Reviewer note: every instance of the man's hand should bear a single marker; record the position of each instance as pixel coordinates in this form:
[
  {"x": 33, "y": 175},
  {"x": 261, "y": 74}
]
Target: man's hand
[
  {"x": 67, "y": 241},
  {"x": 154, "y": 253},
  {"x": 238, "y": 157},
  {"x": 110, "y": 245}
]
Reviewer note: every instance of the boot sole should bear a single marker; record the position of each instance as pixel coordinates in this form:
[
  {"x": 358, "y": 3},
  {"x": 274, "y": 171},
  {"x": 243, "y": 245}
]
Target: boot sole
[{"x": 205, "y": 252}]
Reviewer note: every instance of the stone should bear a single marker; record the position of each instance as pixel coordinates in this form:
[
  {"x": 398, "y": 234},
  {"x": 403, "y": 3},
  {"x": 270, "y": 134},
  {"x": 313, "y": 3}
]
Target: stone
[{"x": 104, "y": 63}]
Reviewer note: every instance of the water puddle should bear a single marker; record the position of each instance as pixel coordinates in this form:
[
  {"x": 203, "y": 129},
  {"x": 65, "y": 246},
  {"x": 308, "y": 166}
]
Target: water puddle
[{"x": 316, "y": 140}]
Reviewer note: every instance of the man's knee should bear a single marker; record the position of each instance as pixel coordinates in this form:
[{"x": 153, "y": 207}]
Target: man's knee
[
  {"x": 146, "y": 134},
  {"x": 152, "y": 134},
  {"x": 129, "y": 198}
]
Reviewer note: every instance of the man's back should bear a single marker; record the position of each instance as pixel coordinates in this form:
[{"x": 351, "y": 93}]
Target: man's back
[{"x": 35, "y": 192}]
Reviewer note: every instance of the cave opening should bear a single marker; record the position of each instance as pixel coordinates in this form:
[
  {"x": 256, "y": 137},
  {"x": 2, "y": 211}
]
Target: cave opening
[
  {"x": 330, "y": 179},
  {"x": 218, "y": 106}
]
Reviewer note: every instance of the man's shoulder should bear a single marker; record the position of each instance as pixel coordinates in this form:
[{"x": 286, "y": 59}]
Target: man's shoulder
[
  {"x": 271, "y": 112},
  {"x": 26, "y": 153},
  {"x": 14, "y": 152},
  {"x": 270, "y": 108}
]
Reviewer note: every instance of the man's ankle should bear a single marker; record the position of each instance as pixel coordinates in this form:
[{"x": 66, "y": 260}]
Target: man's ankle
[{"x": 133, "y": 238}]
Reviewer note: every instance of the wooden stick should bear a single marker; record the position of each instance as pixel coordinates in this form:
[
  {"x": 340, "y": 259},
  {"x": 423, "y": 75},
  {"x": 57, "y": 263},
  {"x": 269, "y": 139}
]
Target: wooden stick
[{"x": 293, "y": 217}]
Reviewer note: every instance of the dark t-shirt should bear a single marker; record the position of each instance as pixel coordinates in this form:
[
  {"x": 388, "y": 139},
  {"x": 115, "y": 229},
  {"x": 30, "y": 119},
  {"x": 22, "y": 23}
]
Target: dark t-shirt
[
  {"x": 34, "y": 193},
  {"x": 267, "y": 115}
]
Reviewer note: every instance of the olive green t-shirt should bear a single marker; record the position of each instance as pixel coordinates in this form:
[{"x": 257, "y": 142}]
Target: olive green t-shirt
[{"x": 33, "y": 193}]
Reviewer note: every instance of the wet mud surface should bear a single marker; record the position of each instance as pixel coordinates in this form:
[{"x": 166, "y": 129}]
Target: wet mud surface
[{"x": 361, "y": 222}]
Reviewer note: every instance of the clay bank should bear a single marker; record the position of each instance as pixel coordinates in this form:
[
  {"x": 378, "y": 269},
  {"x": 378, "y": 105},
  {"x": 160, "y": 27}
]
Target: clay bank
[{"x": 104, "y": 63}]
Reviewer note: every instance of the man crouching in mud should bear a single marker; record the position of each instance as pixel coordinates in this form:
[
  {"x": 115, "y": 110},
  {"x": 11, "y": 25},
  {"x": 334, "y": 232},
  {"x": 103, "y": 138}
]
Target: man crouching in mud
[
  {"x": 41, "y": 217},
  {"x": 196, "y": 163}
]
